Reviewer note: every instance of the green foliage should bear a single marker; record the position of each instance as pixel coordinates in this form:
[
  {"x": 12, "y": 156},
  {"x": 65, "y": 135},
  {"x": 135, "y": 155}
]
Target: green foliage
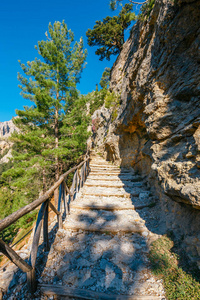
[
  {"x": 74, "y": 131},
  {"x": 50, "y": 84},
  {"x": 95, "y": 100},
  {"x": 111, "y": 99},
  {"x": 13, "y": 198},
  {"x": 105, "y": 78},
  {"x": 178, "y": 284},
  {"x": 108, "y": 35},
  {"x": 146, "y": 10},
  {"x": 114, "y": 114},
  {"x": 4, "y": 153},
  {"x": 53, "y": 131}
]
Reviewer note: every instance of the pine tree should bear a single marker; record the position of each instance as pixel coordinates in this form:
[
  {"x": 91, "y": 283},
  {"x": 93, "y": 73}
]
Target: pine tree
[
  {"x": 108, "y": 35},
  {"x": 50, "y": 83}
]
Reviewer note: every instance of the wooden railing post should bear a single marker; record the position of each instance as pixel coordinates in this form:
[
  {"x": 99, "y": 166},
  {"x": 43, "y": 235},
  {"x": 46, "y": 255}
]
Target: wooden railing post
[
  {"x": 69, "y": 194},
  {"x": 79, "y": 179},
  {"x": 64, "y": 197},
  {"x": 12, "y": 218},
  {"x": 85, "y": 171},
  {"x": 20, "y": 263},
  {"x": 36, "y": 237},
  {"x": 42, "y": 218},
  {"x": 31, "y": 281},
  {"x": 33, "y": 255},
  {"x": 45, "y": 227},
  {"x": 14, "y": 257},
  {"x": 60, "y": 225},
  {"x": 76, "y": 180},
  {"x": 88, "y": 166},
  {"x": 82, "y": 175}
]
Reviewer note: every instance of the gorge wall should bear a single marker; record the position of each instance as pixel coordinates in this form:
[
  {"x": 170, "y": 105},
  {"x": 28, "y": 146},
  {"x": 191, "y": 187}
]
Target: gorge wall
[
  {"x": 6, "y": 129},
  {"x": 157, "y": 130}
]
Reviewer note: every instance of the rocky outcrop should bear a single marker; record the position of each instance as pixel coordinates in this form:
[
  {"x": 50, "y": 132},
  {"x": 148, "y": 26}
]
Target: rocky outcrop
[
  {"x": 157, "y": 130},
  {"x": 6, "y": 128}
]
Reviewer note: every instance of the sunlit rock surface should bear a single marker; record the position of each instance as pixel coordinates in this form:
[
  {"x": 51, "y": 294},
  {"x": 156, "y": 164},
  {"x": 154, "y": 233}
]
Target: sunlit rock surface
[{"x": 157, "y": 130}]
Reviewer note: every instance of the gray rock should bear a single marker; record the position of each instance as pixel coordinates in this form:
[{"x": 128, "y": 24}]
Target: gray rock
[
  {"x": 136, "y": 265},
  {"x": 22, "y": 279},
  {"x": 7, "y": 275},
  {"x": 157, "y": 130},
  {"x": 83, "y": 263},
  {"x": 105, "y": 263},
  {"x": 62, "y": 270},
  {"x": 6, "y": 128},
  {"x": 71, "y": 278},
  {"x": 89, "y": 282}
]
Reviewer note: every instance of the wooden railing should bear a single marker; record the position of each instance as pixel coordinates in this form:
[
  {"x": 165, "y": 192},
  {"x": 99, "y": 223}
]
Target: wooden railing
[{"x": 80, "y": 173}]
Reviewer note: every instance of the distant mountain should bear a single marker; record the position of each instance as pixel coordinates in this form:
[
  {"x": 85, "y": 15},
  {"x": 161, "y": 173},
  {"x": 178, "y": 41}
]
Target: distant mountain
[{"x": 6, "y": 128}]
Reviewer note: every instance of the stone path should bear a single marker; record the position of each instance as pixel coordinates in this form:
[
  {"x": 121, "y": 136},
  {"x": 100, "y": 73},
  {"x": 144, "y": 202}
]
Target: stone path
[
  {"x": 104, "y": 244},
  {"x": 102, "y": 250}
]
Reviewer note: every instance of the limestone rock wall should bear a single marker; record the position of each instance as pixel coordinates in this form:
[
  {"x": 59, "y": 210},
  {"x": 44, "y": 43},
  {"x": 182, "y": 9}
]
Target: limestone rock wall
[
  {"x": 6, "y": 128},
  {"x": 157, "y": 130}
]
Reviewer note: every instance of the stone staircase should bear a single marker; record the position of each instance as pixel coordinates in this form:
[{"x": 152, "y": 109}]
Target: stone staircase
[{"x": 102, "y": 251}]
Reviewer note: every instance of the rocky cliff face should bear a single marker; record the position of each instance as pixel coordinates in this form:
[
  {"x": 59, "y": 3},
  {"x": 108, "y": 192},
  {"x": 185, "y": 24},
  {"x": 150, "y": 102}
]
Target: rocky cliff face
[
  {"x": 157, "y": 130},
  {"x": 6, "y": 128}
]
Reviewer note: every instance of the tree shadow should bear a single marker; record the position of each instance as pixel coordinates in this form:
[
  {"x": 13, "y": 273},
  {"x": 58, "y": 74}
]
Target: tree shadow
[{"x": 103, "y": 259}]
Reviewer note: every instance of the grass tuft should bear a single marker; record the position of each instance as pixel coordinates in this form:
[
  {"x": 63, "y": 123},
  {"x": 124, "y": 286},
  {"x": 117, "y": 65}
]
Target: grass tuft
[{"x": 165, "y": 263}]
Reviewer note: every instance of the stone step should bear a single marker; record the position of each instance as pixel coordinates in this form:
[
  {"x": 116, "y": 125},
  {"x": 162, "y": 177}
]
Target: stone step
[
  {"x": 128, "y": 178},
  {"x": 75, "y": 293},
  {"x": 104, "y": 168},
  {"x": 105, "y": 221},
  {"x": 101, "y": 165},
  {"x": 102, "y": 250},
  {"x": 106, "y": 173},
  {"x": 110, "y": 168},
  {"x": 104, "y": 194},
  {"x": 109, "y": 207},
  {"x": 112, "y": 191},
  {"x": 94, "y": 183},
  {"x": 106, "y": 229},
  {"x": 143, "y": 199},
  {"x": 99, "y": 199}
]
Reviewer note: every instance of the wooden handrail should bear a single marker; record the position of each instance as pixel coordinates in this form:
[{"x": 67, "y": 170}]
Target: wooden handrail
[
  {"x": 28, "y": 208},
  {"x": 14, "y": 257},
  {"x": 42, "y": 219}
]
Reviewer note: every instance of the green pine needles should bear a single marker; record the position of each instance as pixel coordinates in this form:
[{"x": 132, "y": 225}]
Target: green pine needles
[
  {"x": 108, "y": 35},
  {"x": 50, "y": 83},
  {"x": 53, "y": 131}
]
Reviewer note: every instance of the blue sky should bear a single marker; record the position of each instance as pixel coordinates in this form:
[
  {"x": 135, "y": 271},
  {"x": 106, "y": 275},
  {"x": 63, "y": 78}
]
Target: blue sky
[{"x": 24, "y": 22}]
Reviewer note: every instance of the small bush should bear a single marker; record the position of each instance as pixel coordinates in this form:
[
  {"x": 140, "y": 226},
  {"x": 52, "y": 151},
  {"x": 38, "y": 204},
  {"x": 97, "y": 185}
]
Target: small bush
[
  {"x": 146, "y": 10},
  {"x": 111, "y": 99}
]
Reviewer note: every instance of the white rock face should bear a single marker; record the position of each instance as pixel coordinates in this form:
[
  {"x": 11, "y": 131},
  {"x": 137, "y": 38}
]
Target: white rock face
[{"x": 6, "y": 128}]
